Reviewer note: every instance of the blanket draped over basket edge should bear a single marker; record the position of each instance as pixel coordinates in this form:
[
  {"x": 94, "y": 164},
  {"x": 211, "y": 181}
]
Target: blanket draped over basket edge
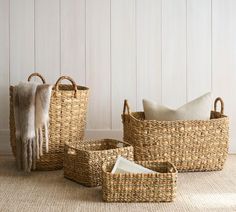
[{"x": 31, "y": 109}]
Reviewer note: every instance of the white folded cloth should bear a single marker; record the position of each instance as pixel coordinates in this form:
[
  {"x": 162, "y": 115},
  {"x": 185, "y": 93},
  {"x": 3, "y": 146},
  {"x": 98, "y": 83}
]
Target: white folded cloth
[{"x": 123, "y": 165}]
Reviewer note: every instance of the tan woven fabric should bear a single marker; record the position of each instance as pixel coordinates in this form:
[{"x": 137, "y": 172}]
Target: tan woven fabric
[
  {"x": 83, "y": 160},
  {"x": 50, "y": 191},
  {"x": 67, "y": 122},
  {"x": 130, "y": 187},
  {"x": 190, "y": 145}
]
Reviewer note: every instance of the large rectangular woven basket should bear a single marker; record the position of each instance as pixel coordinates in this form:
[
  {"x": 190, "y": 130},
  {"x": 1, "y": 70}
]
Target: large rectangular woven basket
[
  {"x": 68, "y": 108},
  {"x": 197, "y": 145},
  {"x": 83, "y": 160},
  {"x": 130, "y": 187}
]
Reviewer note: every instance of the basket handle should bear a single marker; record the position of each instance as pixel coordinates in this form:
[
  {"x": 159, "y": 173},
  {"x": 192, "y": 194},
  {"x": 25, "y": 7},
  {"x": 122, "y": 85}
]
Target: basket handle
[
  {"x": 126, "y": 107},
  {"x": 68, "y": 148},
  {"x": 66, "y": 78},
  {"x": 124, "y": 142},
  {"x": 36, "y": 75},
  {"x": 218, "y": 99}
]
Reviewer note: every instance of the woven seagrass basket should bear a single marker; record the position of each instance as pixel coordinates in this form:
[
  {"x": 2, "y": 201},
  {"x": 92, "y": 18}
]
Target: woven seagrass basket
[
  {"x": 83, "y": 160},
  {"x": 130, "y": 187},
  {"x": 197, "y": 145},
  {"x": 68, "y": 107}
]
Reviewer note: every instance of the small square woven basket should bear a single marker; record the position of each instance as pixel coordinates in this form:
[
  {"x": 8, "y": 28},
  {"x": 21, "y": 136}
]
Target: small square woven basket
[
  {"x": 129, "y": 187},
  {"x": 83, "y": 160}
]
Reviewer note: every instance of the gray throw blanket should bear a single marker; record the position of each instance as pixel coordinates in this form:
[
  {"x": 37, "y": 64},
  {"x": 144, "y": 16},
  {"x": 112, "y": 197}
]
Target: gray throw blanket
[{"x": 31, "y": 110}]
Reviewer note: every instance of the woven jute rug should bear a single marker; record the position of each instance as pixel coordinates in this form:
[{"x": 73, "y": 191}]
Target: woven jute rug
[{"x": 49, "y": 191}]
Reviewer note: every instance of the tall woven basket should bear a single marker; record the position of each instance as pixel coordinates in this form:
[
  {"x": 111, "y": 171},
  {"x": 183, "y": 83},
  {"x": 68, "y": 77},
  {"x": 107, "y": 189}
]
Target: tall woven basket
[
  {"x": 68, "y": 107},
  {"x": 197, "y": 145}
]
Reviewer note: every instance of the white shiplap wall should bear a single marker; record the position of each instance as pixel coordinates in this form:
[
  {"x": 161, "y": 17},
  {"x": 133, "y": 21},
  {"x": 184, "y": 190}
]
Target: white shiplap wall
[{"x": 168, "y": 50}]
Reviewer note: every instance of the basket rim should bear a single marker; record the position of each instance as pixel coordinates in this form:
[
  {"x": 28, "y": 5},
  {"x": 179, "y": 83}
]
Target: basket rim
[
  {"x": 224, "y": 117},
  {"x": 175, "y": 171},
  {"x": 88, "y": 142},
  {"x": 79, "y": 87}
]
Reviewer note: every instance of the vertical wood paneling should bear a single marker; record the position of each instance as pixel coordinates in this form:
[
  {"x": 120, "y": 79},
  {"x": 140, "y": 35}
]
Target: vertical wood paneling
[
  {"x": 98, "y": 62},
  {"x": 73, "y": 39},
  {"x": 4, "y": 63},
  {"x": 47, "y": 38},
  {"x": 174, "y": 52},
  {"x": 224, "y": 58},
  {"x": 198, "y": 47},
  {"x": 123, "y": 57},
  {"x": 21, "y": 39},
  {"x": 165, "y": 50},
  {"x": 148, "y": 50}
]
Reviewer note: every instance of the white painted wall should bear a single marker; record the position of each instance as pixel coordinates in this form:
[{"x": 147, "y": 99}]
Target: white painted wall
[{"x": 168, "y": 50}]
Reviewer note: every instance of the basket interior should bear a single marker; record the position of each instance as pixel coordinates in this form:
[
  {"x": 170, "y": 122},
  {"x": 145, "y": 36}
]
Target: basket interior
[
  {"x": 99, "y": 145},
  {"x": 141, "y": 116},
  {"x": 66, "y": 87},
  {"x": 216, "y": 115},
  {"x": 161, "y": 167}
]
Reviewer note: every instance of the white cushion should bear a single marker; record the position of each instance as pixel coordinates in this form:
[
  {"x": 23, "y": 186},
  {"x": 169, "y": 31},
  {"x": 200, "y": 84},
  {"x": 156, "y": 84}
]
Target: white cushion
[{"x": 198, "y": 109}]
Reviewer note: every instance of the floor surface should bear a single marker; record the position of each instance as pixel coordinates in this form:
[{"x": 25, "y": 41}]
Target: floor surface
[{"x": 49, "y": 191}]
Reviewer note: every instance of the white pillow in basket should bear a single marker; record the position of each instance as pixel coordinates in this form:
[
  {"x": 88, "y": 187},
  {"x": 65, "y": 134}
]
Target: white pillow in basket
[{"x": 198, "y": 109}]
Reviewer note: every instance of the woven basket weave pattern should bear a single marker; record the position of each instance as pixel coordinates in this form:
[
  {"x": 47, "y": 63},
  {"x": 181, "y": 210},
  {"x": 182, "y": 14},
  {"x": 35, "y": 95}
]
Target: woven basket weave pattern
[
  {"x": 158, "y": 187},
  {"x": 83, "y": 160},
  {"x": 190, "y": 145},
  {"x": 67, "y": 123}
]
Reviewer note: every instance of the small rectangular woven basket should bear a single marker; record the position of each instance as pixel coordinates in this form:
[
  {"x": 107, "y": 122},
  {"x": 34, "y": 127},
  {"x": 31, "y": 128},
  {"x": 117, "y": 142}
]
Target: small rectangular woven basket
[
  {"x": 83, "y": 160},
  {"x": 129, "y": 187}
]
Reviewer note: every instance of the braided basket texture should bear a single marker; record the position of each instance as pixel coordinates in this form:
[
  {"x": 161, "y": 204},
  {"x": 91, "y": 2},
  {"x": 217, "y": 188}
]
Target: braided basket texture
[
  {"x": 68, "y": 108},
  {"x": 198, "y": 145},
  {"x": 83, "y": 160},
  {"x": 130, "y": 187}
]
